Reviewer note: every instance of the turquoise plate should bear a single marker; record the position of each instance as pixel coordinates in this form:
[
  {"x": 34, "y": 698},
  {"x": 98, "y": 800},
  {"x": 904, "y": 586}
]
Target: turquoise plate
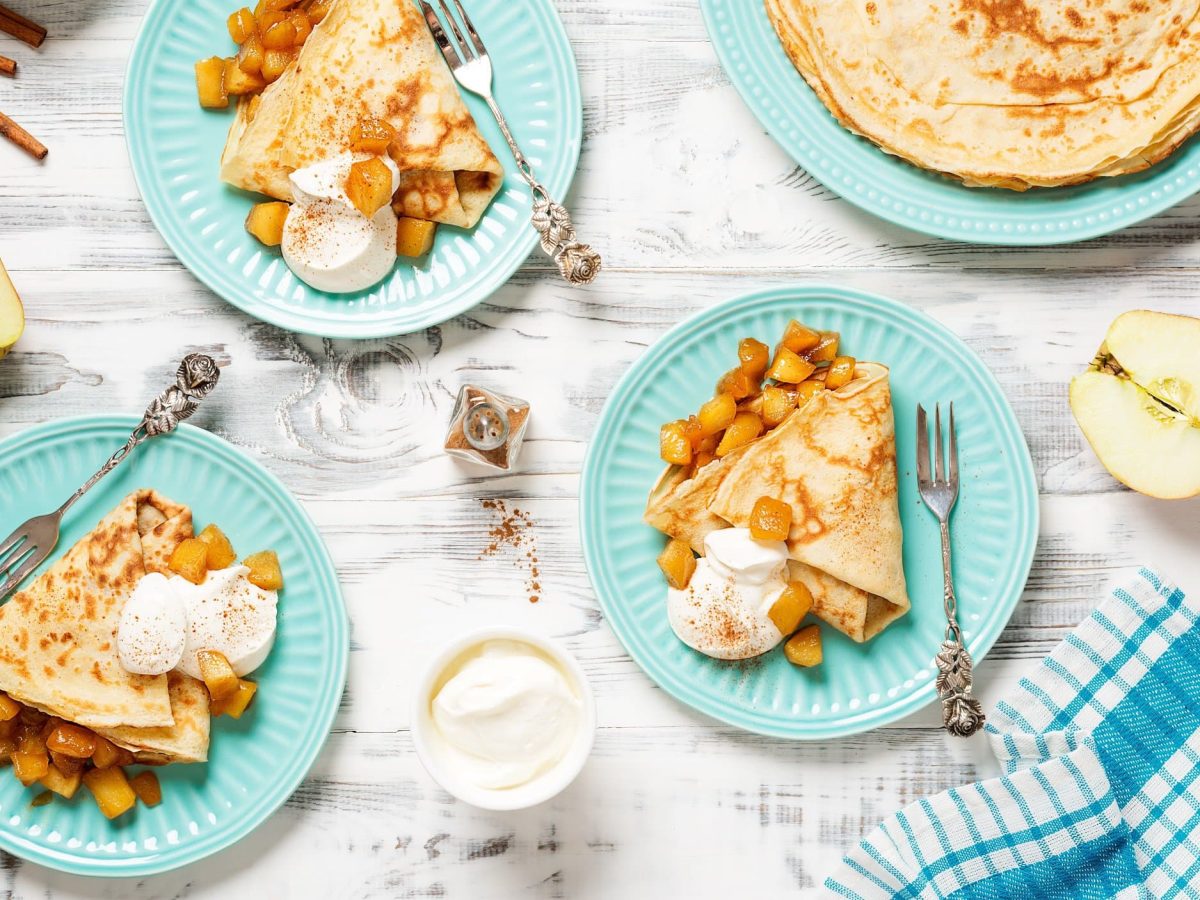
[
  {"x": 906, "y": 195},
  {"x": 175, "y": 147},
  {"x": 859, "y": 686},
  {"x": 255, "y": 762}
]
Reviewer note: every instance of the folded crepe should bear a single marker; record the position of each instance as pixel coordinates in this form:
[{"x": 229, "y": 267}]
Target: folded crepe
[
  {"x": 834, "y": 463},
  {"x": 58, "y": 637},
  {"x": 1038, "y": 92},
  {"x": 368, "y": 58}
]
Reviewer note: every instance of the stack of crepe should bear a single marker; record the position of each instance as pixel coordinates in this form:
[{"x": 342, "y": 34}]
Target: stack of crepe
[
  {"x": 1014, "y": 95},
  {"x": 58, "y": 638},
  {"x": 834, "y": 462},
  {"x": 368, "y": 58}
]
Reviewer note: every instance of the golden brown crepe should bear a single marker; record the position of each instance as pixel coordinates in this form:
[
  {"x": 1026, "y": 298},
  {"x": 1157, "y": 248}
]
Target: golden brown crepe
[
  {"x": 1007, "y": 94},
  {"x": 369, "y": 58},
  {"x": 678, "y": 505},
  {"x": 185, "y": 741},
  {"x": 58, "y": 636},
  {"x": 834, "y": 463}
]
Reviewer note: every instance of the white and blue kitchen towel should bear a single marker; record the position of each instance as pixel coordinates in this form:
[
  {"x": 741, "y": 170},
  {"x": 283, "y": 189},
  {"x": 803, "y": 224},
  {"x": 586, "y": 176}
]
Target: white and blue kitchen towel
[{"x": 1101, "y": 800}]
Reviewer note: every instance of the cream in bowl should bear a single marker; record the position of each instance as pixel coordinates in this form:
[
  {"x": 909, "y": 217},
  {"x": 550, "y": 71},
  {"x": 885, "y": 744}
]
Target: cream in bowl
[{"x": 503, "y": 719}]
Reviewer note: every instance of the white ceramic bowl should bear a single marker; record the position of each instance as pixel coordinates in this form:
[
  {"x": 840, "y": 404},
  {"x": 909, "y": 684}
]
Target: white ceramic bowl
[{"x": 546, "y": 785}]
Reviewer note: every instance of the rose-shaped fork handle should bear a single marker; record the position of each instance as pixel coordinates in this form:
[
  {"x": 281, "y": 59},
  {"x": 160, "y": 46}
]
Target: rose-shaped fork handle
[
  {"x": 194, "y": 380},
  {"x": 578, "y": 262}
]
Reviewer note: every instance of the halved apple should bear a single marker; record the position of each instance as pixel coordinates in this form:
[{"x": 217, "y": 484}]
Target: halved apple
[
  {"x": 12, "y": 313},
  {"x": 1139, "y": 403}
]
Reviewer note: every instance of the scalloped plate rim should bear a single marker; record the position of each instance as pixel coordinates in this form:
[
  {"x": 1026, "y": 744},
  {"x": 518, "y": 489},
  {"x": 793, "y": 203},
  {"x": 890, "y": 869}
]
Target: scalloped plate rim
[{"x": 144, "y": 864}]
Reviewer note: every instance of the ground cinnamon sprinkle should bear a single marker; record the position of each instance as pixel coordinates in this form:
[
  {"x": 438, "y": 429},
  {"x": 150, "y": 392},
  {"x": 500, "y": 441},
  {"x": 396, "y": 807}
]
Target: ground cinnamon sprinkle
[{"x": 515, "y": 531}]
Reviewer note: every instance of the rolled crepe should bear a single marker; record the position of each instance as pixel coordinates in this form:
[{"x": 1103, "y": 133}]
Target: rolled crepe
[
  {"x": 58, "y": 648},
  {"x": 368, "y": 58}
]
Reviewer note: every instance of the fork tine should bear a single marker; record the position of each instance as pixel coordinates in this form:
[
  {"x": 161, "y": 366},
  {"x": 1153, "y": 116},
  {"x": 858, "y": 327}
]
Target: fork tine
[
  {"x": 17, "y": 577},
  {"x": 953, "y": 449},
  {"x": 11, "y": 542},
  {"x": 464, "y": 49},
  {"x": 939, "y": 456},
  {"x": 475, "y": 39},
  {"x": 922, "y": 446},
  {"x": 440, "y": 36}
]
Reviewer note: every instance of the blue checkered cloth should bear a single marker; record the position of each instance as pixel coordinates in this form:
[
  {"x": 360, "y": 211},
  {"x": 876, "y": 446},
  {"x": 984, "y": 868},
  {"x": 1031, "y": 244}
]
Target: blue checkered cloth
[{"x": 1101, "y": 796}]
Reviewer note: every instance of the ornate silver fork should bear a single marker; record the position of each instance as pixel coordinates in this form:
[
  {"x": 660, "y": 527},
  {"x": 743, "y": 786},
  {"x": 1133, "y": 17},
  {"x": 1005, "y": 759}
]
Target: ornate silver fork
[
  {"x": 472, "y": 67},
  {"x": 961, "y": 713},
  {"x": 26, "y": 548}
]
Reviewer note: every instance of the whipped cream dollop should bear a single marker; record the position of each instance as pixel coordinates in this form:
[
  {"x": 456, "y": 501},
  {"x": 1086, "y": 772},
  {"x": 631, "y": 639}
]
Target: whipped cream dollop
[
  {"x": 724, "y": 611},
  {"x": 327, "y": 242},
  {"x": 166, "y": 621},
  {"x": 505, "y": 714}
]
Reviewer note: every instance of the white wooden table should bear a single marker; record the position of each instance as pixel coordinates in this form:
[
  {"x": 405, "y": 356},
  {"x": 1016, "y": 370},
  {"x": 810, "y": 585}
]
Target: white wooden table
[{"x": 692, "y": 203}]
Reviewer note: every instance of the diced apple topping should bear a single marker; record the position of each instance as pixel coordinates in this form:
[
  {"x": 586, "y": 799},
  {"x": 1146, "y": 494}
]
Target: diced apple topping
[
  {"x": 190, "y": 560},
  {"x": 717, "y": 414},
  {"x": 250, "y": 59},
  {"x": 145, "y": 785},
  {"x": 826, "y": 350},
  {"x": 677, "y": 563},
  {"x": 777, "y": 404},
  {"x": 738, "y": 384},
  {"x": 71, "y": 740},
  {"x": 266, "y": 221},
  {"x": 414, "y": 237},
  {"x": 221, "y": 554},
  {"x": 789, "y": 368},
  {"x": 841, "y": 372},
  {"x": 8, "y": 708},
  {"x": 744, "y": 428},
  {"x": 241, "y": 25},
  {"x": 65, "y": 784},
  {"x": 754, "y": 357},
  {"x": 806, "y": 391},
  {"x": 804, "y": 647},
  {"x": 792, "y": 605},
  {"x": 235, "y": 704},
  {"x": 264, "y": 570},
  {"x": 30, "y": 766},
  {"x": 210, "y": 83},
  {"x": 770, "y": 520},
  {"x": 369, "y": 186},
  {"x": 799, "y": 338},
  {"x": 370, "y": 134},
  {"x": 275, "y": 62},
  {"x": 280, "y": 35},
  {"x": 111, "y": 790},
  {"x": 238, "y": 81},
  {"x": 674, "y": 443},
  {"x": 217, "y": 673}
]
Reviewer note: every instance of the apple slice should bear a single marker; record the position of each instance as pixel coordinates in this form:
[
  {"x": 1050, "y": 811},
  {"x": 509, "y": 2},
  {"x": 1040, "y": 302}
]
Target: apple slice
[
  {"x": 1139, "y": 403},
  {"x": 12, "y": 313}
]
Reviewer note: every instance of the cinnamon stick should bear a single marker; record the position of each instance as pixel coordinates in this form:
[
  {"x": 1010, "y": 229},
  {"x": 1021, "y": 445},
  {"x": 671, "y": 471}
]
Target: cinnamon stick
[
  {"x": 22, "y": 138},
  {"x": 8, "y": 66},
  {"x": 21, "y": 28}
]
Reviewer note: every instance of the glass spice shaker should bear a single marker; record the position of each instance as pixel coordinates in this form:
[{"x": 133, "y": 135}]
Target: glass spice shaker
[{"x": 487, "y": 428}]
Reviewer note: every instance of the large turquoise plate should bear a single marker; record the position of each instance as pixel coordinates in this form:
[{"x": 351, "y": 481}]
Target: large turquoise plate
[
  {"x": 859, "y": 686},
  {"x": 175, "y": 147},
  {"x": 256, "y": 762},
  {"x": 906, "y": 195}
]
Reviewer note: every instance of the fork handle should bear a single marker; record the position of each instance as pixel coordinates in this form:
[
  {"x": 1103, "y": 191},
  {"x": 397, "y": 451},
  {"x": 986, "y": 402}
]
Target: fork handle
[
  {"x": 195, "y": 378},
  {"x": 577, "y": 262},
  {"x": 962, "y": 714}
]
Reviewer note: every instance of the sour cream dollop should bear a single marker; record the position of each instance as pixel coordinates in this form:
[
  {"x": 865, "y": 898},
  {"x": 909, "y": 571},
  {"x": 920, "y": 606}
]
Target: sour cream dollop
[
  {"x": 327, "y": 242},
  {"x": 724, "y": 611},
  {"x": 505, "y": 714},
  {"x": 166, "y": 621}
]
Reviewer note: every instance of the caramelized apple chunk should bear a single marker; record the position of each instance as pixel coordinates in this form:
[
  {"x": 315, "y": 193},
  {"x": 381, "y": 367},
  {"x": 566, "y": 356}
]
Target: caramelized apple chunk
[
  {"x": 217, "y": 673},
  {"x": 369, "y": 186},
  {"x": 239, "y": 82},
  {"x": 30, "y": 766},
  {"x": 738, "y": 384},
  {"x": 804, "y": 647},
  {"x": 264, "y": 570},
  {"x": 674, "y": 444},
  {"x": 717, "y": 414},
  {"x": 280, "y": 36},
  {"x": 8, "y": 707},
  {"x": 266, "y": 221},
  {"x": 826, "y": 350},
  {"x": 841, "y": 372},
  {"x": 106, "y": 753},
  {"x": 235, "y": 704},
  {"x": 65, "y": 784},
  {"x": 806, "y": 391},
  {"x": 190, "y": 560},
  {"x": 799, "y": 338},
  {"x": 111, "y": 790},
  {"x": 677, "y": 563},
  {"x": 791, "y": 606},
  {"x": 210, "y": 83},
  {"x": 318, "y": 10},
  {"x": 303, "y": 25},
  {"x": 778, "y": 403},
  {"x": 250, "y": 58},
  {"x": 789, "y": 367},
  {"x": 221, "y": 554},
  {"x": 754, "y": 357},
  {"x": 241, "y": 25},
  {"x": 744, "y": 428},
  {"x": 145, "y": 785},
  {"x": 71, "y": 740},
  {"x": 371, "y": 134},
  {"x": 414, "y": 237},
  {"x": 275, "y": 62},
  {"x": 770, "y": 520}
]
